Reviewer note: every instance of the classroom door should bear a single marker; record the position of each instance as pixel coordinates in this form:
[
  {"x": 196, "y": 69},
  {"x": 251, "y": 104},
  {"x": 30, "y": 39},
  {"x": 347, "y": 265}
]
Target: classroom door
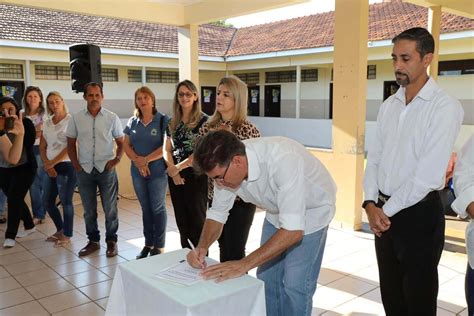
[
  {"x": 253, "y": 108},
  {"x": 208, "y": 99},
  {"x": 272, "y": 101}
]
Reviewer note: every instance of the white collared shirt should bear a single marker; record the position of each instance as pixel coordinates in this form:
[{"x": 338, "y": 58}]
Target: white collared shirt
[
  {"x": 412, "y": 146},
  {"x": 464, "y": 189},
  {"x": 287, "y": 181}
]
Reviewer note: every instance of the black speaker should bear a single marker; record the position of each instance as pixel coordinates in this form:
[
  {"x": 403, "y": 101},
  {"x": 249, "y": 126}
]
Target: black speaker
[{"x": 85, "y": 65}]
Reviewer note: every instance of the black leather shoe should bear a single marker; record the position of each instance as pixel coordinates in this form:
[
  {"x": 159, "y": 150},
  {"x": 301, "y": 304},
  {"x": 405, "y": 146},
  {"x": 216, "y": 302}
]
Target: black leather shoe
[
  {"x": 112, "y": 250},
  {"x": 144, "y": 253},
  {"x": 89, "y": 248},
  {"x": 3, "y": 220},
  {"x": 154, "y": 252}
]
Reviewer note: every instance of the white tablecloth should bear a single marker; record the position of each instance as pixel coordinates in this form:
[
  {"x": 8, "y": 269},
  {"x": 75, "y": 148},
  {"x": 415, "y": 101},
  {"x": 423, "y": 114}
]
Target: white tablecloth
[{"x": 135, "y": 291}]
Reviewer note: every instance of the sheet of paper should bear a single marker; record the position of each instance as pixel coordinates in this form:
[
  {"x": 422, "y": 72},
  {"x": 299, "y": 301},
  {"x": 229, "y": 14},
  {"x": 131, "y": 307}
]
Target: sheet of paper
[{"x": 181, "y": 273}]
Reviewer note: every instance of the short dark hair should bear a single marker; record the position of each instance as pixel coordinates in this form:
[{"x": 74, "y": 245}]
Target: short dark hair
[
  {"x": 12, "y": 101},
  {"x": 93, "y": 84},
  {"x": 424, "y": 40},
  {"x": 216, "y": 148}
]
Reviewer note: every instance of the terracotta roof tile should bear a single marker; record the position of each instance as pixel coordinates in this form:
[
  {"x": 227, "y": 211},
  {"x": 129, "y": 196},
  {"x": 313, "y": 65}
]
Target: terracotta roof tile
[
  {"x": 386, "y": 20},
  {"x": 39, "y": 25}
]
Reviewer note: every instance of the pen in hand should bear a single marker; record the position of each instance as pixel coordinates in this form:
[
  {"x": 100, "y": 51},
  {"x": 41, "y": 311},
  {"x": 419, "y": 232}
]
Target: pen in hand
[{"x": 203, "y": 264}]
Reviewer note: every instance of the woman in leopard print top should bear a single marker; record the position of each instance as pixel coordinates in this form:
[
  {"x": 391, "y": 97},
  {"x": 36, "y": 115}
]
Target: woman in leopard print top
[{"x": 231, "y": 114}]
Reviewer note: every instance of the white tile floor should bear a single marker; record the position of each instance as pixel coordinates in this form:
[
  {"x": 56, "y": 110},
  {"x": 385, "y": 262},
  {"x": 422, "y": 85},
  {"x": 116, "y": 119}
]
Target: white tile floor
[{"x": 38, "y": 279}]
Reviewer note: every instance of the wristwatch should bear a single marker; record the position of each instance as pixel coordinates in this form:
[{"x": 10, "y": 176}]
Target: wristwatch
[{"x": 367, "y": 202}]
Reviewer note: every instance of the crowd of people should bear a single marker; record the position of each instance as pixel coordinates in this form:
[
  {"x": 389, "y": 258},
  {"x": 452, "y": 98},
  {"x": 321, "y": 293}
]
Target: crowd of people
[{"x": 218, "y": 169}]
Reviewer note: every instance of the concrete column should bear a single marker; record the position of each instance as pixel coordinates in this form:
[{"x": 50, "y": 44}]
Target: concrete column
[
  {"x": 434, "y": 25},
  {"x": 188, "y": 53},
  {"x": 143, "y": 76},
  {"x": 298, "y": 91},
  {"x": 261, "y": 85},
  {"x": 349, "y": 106},
  {"x": 27, "y": 73}
]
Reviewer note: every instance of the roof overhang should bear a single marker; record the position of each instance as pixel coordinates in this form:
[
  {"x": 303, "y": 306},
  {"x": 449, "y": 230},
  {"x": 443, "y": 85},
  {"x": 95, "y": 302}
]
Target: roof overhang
[
  {"x": 171, "y": 12},
  {"x": 458, "y": 7}
]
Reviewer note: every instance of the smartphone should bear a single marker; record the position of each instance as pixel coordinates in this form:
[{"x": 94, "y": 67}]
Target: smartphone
[{"x": 6, "y": 123}]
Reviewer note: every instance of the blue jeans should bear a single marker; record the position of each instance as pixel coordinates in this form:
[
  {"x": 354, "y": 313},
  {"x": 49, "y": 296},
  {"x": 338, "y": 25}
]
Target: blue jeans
[
  {"x": 108, "y": 189},
  {"x": 64, "y": 185},
  {"x": 470, "y": 289},
  {"x": 151, "y": 195},
  {"x": 291, "y": 278},
  {"x": 36, "y": 189},
  {"x": 3, "y": 203}
]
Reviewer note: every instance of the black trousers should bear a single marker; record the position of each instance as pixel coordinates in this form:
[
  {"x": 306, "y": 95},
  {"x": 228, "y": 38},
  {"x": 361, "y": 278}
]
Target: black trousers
[
  {"x": 408, "y": 255},
  {"x": 190, "y": 205},
  {"x": 15, "y": 183},
  {"x": 236, "y": 231}
]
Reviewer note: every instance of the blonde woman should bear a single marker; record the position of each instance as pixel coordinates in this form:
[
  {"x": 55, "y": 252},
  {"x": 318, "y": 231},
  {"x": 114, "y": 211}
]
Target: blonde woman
[
  {"x": 33, "y": 104},
  {"x": 61, "y": 178},
  {"x": 144, "y": 137},
  {"x": 231, "y": 114},
  {"x": 188, "y": 191}
]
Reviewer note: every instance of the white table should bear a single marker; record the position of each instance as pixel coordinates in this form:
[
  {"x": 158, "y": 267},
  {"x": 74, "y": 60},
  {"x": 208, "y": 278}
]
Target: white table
[{"x": 135, "y": 291}]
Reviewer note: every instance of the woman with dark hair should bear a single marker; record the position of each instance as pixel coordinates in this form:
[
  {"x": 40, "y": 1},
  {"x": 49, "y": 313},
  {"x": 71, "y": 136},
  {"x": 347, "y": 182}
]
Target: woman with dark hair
[
  {"x": 17, "y": 170},
  {"x": 188, "y": 191},
  {"x": 33, "y": 104},
  {"x": 61, "y": 177},
  {"x": 231, "y": 114},
  {"x": 144, "y": 136}
]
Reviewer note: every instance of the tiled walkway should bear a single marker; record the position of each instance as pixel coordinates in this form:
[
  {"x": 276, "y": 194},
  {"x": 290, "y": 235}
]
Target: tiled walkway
[{"x": 38, "y": 279}]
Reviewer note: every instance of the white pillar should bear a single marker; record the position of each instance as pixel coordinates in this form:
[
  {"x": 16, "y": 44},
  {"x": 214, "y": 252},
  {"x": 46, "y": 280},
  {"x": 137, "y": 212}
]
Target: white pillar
[
  {"x": 188, "y": 53},
  {"x": 298, "y": 91},
  {"x": 434, "y": 25},
  {"x": 261, "y": 85},
  {"x": 27, "y": 73},
  {"x": 143, "y": 76}
]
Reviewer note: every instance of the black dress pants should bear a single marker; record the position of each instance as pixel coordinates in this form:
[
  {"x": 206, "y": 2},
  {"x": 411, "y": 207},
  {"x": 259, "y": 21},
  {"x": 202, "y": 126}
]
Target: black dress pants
[
  {"x": 190, "y": 205},
  {"x": 236, "y": 231},
  {"x": 408, "y": 255},
  {"x": 15, "y": 183}
]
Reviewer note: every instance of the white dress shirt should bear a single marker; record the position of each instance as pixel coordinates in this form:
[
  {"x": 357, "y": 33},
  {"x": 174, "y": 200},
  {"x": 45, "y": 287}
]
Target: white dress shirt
[
  {"x": 464, "y": 189},
  {"x": 412, "y": 146},
  {"x": 287, "y": 181}
]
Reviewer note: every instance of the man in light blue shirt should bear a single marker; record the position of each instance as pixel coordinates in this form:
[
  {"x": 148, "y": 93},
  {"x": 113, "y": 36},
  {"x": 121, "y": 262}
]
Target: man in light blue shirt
[{"x": 94, "y": 129}]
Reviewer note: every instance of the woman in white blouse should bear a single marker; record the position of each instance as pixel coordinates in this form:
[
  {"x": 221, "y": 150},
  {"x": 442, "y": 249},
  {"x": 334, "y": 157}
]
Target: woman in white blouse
[{"x": 61, "y": 177}]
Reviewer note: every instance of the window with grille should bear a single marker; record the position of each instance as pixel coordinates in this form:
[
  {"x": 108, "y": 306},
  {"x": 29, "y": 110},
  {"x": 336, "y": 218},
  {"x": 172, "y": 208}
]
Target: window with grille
[
  {"x": 249, "y": 78},
  {"x": 169, "y": 77},
  {"x": 47, "y": 72},
  {"x": 456, "y": 67},
  {"x": 110, "y": 74},
  {"x": 371, "y": 71},
  {"x": 11, "y": 71},
  {"x": 134, "y": 75},
  {"x": 162, "y": 76},
  {"x": 280, "y": 76},
  {"x": 309, "y": 75}
]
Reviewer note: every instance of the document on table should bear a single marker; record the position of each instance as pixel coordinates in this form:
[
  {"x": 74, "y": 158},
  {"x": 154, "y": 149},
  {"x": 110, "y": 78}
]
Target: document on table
[{"x": 181, "y": 273}]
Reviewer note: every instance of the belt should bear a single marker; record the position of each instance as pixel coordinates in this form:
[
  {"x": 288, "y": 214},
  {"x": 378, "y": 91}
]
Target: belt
[{"x": 430, "y": 196}]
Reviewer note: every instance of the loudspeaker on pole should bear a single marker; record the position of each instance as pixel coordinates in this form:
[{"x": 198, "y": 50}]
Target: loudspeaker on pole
[{"x": 85, "y": 65}]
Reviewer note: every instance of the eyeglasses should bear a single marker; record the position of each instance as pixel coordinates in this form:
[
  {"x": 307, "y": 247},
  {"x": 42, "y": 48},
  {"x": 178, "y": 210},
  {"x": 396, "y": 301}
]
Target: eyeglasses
[
  {"x": 187, "y": 95},
  {"x": 221, "y": 178}
]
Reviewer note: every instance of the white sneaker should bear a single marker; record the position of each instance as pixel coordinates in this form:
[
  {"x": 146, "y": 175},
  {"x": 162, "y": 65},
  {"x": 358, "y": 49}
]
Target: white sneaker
[
  {"x": 25, "y": 232},
  {"x": 9, "y": 243}
]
